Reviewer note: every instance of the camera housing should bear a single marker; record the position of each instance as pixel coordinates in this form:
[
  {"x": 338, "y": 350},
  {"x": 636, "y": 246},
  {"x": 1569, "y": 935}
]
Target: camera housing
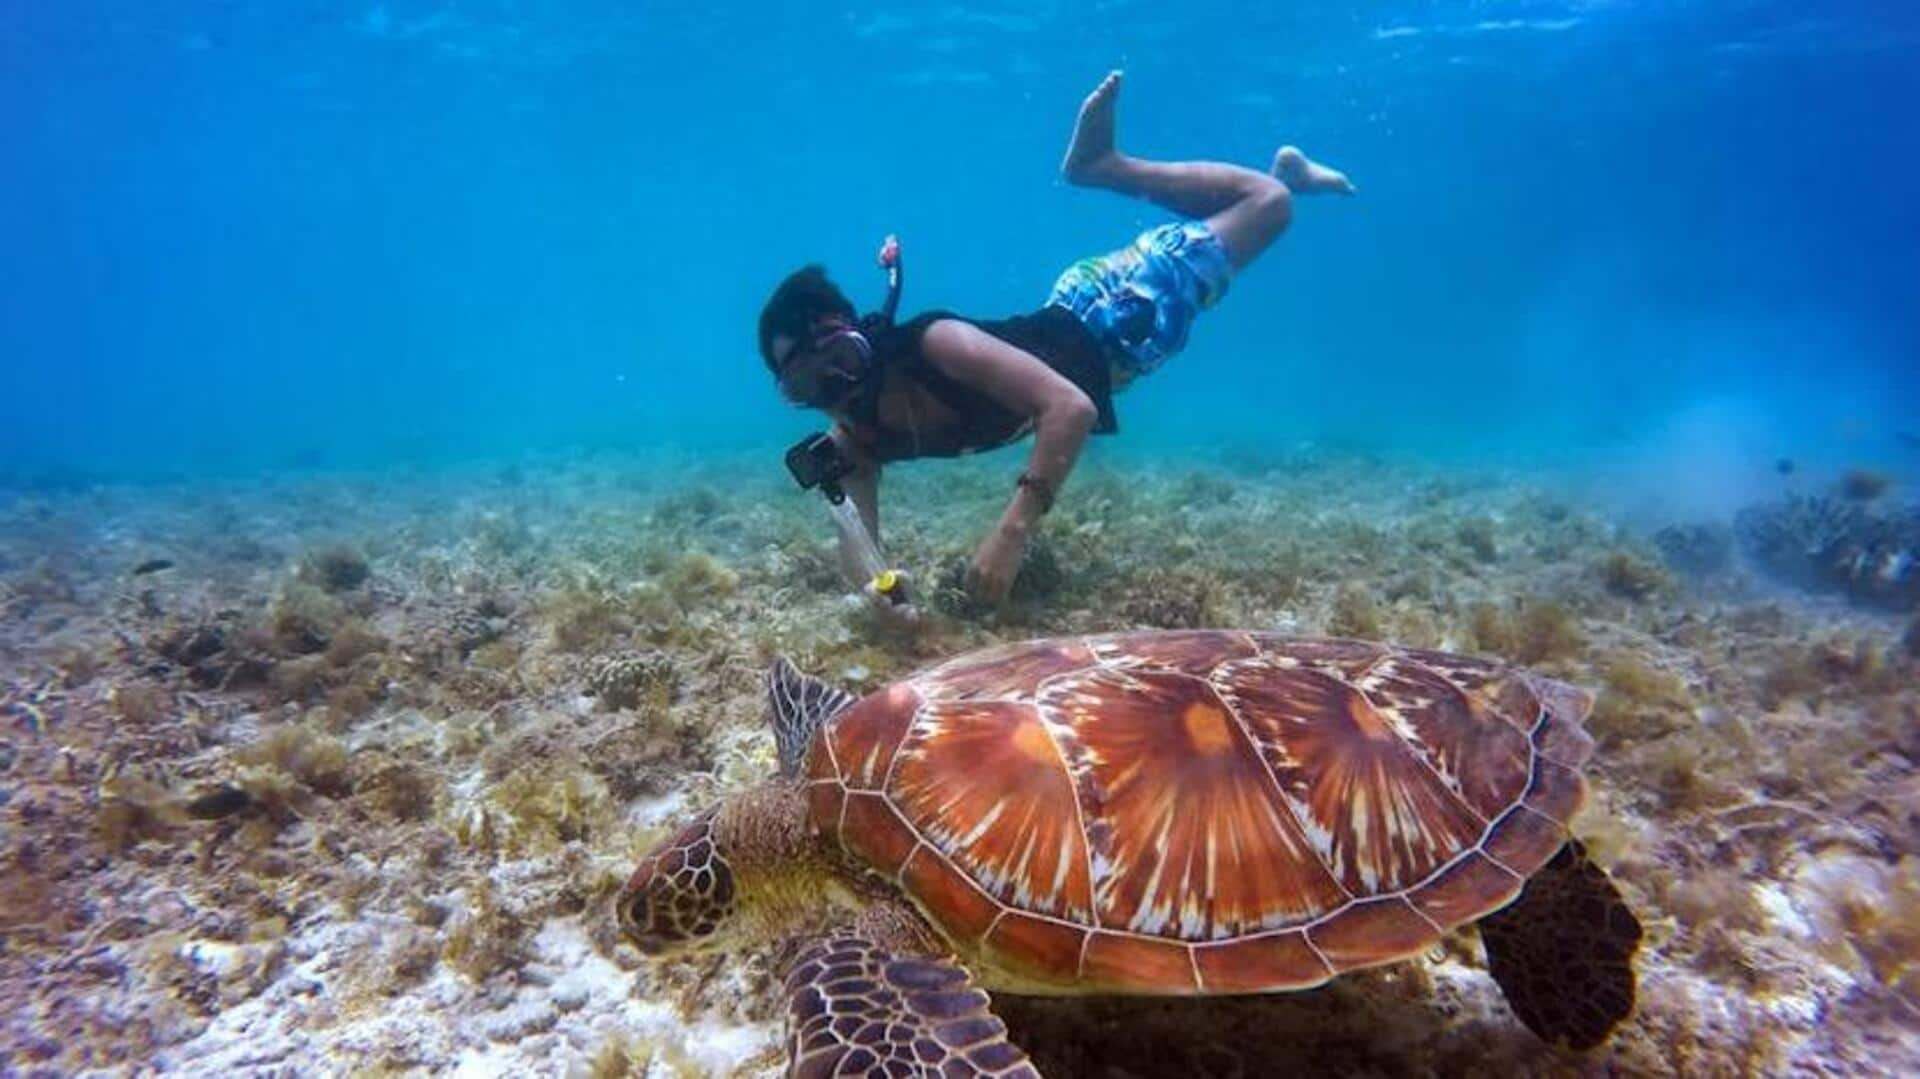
[{"x": 816, "y": 461}]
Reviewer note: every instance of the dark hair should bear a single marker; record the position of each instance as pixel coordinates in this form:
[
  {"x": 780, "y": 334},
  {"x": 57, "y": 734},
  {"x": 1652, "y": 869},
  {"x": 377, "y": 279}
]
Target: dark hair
[{"x": 800, "y": 300}]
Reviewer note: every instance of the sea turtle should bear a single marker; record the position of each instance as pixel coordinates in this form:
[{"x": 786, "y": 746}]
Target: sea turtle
[{"x": 1173, "y": 813}]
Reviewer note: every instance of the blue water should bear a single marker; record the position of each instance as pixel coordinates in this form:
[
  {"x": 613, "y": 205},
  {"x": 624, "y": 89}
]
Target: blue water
[{"x": 245, "y": 234}]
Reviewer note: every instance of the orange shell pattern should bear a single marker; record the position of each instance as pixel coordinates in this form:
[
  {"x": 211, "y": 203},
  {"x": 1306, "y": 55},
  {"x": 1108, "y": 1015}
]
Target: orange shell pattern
[{"x": 1203, "y": 812}]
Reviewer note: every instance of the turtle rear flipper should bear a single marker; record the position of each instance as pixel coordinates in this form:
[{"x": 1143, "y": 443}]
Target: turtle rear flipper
[
  {"x": 1563, "y": 951},
  {"x": 855, "y": 1008}
]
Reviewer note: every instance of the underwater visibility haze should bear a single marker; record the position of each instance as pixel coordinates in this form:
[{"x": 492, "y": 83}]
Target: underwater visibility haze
[
  {"x": 432, "y": 231},
  {"x": 395, "y": 536}
]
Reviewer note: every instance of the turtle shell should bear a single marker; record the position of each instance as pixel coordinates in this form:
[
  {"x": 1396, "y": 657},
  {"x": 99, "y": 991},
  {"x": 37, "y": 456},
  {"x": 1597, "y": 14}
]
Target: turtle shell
[{"x": 1202, "y": 812}]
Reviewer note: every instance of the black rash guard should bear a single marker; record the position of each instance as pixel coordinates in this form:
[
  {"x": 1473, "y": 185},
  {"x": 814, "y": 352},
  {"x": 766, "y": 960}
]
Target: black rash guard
[{"x": 1054, "y": 335}]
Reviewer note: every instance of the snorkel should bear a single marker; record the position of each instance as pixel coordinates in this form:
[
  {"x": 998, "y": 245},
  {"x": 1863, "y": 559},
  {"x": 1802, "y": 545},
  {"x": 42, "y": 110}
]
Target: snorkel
[
  {"x": 816, "y": 462},
  {"x": 889, "y": 260}
]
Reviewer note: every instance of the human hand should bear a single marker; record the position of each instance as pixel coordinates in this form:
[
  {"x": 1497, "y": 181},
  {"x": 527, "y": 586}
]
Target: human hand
[
  {"x": 995, "y": 564},
  {"x": 890, "y": 607}
]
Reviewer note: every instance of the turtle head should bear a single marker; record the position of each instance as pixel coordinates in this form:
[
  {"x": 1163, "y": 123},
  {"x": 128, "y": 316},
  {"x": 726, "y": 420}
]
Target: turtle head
[{"x": 681, "y": 895}]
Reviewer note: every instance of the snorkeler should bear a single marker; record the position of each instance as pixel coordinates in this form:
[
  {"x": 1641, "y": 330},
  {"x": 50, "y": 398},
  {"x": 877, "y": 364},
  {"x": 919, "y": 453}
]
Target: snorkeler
[{"x": 940, "y": 384}]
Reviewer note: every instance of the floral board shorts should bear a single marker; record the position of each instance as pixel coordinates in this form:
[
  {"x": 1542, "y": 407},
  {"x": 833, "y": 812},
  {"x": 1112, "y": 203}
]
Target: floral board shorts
[{"x": 1141, "y": 300}]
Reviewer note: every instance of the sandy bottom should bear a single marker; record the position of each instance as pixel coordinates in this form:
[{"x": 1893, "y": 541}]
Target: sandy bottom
[{"x": 336, "y": 774}]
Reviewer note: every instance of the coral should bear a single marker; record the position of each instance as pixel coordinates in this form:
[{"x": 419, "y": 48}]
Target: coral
[
  {"x": 1697, "y": 550},
  {"x": 1825, "y": 545},
  {"x": 630, "y": 680},
  {"x": 338, "y": 568},
  {"x": 1630, "y": 577}
]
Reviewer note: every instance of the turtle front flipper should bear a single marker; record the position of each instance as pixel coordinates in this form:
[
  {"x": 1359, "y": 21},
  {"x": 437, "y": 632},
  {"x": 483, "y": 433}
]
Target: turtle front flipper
[
  {"x": 798, "y": 706},
  {"x": 1563, "y": 951},
  {"x": 855, "y": 1008}
]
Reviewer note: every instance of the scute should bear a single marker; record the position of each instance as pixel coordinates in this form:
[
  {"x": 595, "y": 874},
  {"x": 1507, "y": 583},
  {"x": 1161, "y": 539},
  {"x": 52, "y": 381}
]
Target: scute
[
  {"x": 1011, "y": 671},
  {"x": 857, "y": 746},
  {"x": 1196, "y": 844},
  {"x": 986, "y": 786},
  {"x": 1188, "y": 651},
  {"x": 1383, "y": 819}
]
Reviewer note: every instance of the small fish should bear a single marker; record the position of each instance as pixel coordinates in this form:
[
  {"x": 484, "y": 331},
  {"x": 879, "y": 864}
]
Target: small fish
[
  {"x": 152, "y": 565},
  {"x": 219, "y": 803},
  {"x": 1784, "y": 466},
  {"x": 1909, "y": 439}
]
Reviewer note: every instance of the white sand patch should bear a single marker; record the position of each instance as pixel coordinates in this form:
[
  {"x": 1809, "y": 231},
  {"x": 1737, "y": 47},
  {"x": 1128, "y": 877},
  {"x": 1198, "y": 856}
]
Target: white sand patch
[{"x": 566, "y": 1005}]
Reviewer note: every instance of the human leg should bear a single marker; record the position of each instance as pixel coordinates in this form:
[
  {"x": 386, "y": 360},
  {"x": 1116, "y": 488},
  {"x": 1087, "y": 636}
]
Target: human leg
[{"x": 1246, "y": 209}]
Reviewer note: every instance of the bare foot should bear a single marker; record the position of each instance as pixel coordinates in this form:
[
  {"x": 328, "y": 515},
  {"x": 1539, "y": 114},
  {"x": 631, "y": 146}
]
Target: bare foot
[
  {"x": 1090, "y": 156},
  {"x": 1307, "y": 176}
]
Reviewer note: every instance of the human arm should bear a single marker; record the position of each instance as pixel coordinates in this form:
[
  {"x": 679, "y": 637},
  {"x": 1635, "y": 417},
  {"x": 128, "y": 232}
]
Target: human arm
[
  {"x": 1061, "y": 414},
  {"x": 863, "y": 483}
]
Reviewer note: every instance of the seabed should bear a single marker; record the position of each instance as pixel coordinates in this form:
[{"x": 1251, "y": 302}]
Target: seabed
[{"x": 345, "y": 787}]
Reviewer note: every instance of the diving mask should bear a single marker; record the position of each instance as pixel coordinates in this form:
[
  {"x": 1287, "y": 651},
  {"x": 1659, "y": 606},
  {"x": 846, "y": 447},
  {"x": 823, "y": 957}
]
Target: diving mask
[{"x": 825, "y": 372}]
